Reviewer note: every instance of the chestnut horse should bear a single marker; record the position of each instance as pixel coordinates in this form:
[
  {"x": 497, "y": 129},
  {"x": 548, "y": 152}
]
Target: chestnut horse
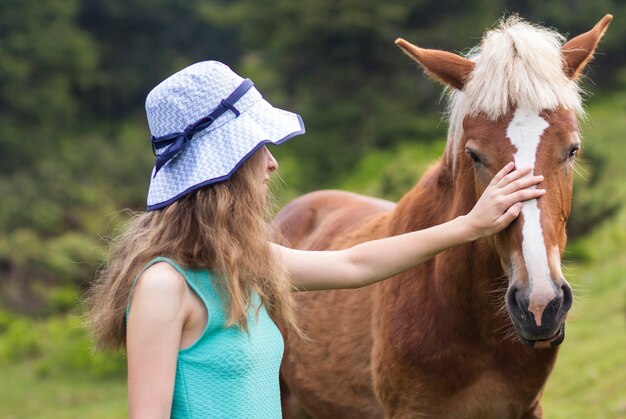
[{"x": 436, "y": 341}]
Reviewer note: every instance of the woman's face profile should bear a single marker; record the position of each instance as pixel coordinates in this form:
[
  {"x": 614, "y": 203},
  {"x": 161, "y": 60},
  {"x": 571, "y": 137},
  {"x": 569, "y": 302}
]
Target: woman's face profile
[{"x": 271, "y": 164}]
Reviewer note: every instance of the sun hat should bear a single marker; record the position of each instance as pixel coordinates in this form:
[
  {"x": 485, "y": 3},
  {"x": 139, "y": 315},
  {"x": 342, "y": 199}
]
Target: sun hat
[{"x": 205, "y": 121}]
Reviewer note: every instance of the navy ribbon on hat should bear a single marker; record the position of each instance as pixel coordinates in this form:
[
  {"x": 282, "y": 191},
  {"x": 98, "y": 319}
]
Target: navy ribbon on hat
[{"x": 171, "y": 144}]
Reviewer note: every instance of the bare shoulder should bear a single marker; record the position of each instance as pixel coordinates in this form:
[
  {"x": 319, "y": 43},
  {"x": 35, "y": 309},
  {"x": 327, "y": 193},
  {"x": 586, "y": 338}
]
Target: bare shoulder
[
  {"x": 162, "y": 277},
  {"x": 158, "y": 311},
  {"x": 160, "y": 289}
]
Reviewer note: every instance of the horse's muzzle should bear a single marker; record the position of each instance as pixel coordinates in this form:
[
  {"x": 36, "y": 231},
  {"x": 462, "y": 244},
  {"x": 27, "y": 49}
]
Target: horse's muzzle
[{"x": 550, "y": 331}]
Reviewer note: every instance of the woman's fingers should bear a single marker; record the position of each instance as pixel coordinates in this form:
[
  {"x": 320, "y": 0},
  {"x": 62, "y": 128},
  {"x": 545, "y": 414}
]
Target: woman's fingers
[
  {"x": 502, "y": 201},
  {"x": 522, "y": 183},
  {"x": 513, "y": 176},
  {"x": 523, "y": 195},
  {"x": 502, "y": 173},
  {"x": 509, "y": 215}
]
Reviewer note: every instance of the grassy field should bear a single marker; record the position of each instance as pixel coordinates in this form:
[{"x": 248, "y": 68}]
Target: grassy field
[
  {"x": 589, "y": 380},
  {"x": 25, "y": 394}
]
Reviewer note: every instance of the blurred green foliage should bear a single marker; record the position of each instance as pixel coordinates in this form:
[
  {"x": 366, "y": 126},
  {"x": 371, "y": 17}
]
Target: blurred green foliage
[
  {"x": 74, "y": 74},
  {"x": 58, "y": 345}
]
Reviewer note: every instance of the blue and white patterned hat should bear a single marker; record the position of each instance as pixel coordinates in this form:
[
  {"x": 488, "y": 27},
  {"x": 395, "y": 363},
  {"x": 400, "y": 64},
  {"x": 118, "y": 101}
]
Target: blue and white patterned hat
[{"x": 205, "y": 122}]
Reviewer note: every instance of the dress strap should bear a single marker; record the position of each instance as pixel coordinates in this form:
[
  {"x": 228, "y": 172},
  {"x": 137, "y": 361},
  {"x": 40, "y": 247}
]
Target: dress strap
[{"x": 149, "y": 264}]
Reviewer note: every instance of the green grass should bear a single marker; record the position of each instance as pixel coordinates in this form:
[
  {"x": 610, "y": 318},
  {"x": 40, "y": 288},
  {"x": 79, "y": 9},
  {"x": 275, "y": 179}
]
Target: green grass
[
  {"x": 25, "y": 394},
  {"x": 589, "y": 380},
  {"x": 49, "y": 371}
]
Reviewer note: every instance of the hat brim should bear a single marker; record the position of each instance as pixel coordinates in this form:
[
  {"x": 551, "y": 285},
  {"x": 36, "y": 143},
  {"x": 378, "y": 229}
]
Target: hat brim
[{"x": 215, "y": 155}]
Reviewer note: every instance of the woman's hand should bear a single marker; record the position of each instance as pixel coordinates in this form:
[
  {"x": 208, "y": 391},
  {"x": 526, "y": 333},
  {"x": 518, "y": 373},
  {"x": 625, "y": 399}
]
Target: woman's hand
[{"x": 501, "y": 202}]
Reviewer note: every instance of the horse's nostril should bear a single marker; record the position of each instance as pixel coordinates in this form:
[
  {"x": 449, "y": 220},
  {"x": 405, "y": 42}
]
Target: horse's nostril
[
  {"x": 568, "y": 298},
  {"x": 514, "y": 305},
  {"x": 511, "y": 298}
]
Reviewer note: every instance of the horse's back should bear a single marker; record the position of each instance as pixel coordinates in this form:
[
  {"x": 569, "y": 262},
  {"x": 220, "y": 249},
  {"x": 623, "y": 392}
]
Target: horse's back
[
  {"x": 331, "y": 375},
  {"x": 320, "y": 220}
]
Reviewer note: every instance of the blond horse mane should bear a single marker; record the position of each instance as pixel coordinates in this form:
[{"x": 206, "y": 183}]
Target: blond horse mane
[{"x": 517, "y": 64}]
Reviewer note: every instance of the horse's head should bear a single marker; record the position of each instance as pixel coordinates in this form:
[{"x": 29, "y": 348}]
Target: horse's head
[{"x": 516, "y": 99}]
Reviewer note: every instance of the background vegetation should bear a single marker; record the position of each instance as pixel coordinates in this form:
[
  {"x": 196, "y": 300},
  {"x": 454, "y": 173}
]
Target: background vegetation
[{"x": 74, "y": 151}]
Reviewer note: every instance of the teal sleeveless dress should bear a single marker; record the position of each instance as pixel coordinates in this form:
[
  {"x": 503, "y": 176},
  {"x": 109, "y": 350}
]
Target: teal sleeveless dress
[{"x": 226, "y": 373}]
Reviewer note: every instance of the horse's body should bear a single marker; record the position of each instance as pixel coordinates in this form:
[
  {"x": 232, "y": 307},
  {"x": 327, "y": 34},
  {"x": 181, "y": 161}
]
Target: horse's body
[
  {"x": 436, "y": 341},
  {"x": 415, "y": 337}
]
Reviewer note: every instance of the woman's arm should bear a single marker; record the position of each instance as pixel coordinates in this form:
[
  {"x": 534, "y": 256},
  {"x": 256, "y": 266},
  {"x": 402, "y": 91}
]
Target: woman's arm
[
  {"x": 154, "y": 330},
  {"x": 375, "y": 260}
]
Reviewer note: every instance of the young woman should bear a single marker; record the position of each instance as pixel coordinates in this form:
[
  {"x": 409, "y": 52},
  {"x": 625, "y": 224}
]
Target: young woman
[{"x": 193, "y": 286}]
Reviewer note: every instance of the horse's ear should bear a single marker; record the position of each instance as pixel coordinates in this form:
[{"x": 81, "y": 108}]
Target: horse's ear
[
  {"x": 578, "y": 51},
  {"x": 448, "y": 68}
]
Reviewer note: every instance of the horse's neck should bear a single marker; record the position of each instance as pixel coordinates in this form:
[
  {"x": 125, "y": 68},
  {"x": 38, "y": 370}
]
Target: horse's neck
[
  {"x": 435, "y": 199},
  {"x": 471, "y": 270}
]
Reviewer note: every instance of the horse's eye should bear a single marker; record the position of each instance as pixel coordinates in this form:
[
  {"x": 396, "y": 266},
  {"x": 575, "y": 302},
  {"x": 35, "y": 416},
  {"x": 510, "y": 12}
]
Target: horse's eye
[
  {"x": 473, "y": 155},
  {"x": 574, "y": 150}
]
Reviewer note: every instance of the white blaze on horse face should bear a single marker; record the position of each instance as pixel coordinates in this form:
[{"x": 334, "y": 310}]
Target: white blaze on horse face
[{"x": 525, "y": 131}]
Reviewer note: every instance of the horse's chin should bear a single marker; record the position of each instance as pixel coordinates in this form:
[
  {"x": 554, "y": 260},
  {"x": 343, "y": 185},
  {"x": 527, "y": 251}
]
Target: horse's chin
[{"x": 551, "y": 342}]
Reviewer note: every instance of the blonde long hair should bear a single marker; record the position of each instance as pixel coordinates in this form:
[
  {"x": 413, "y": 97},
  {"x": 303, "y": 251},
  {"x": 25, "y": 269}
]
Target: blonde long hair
[{"x": 222, "y": 227}]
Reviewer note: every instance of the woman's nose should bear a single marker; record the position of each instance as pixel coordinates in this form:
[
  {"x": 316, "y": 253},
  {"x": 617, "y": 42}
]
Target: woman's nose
[{"x": 272, "y": 164}]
